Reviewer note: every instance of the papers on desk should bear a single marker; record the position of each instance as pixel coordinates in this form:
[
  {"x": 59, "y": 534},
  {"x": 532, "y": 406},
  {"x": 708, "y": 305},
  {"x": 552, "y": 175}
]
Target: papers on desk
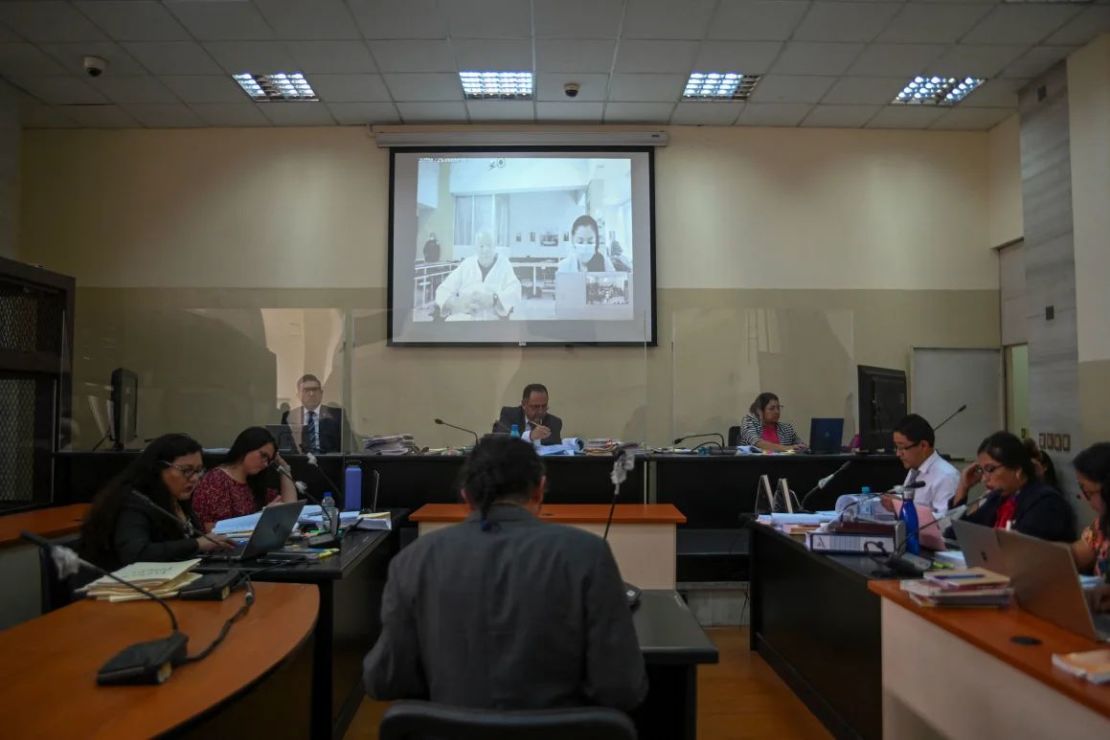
[
  {"x": 162, "y": 579},
  {"x": 237, "y": 525},
  {"x": 243, "y": 526}
]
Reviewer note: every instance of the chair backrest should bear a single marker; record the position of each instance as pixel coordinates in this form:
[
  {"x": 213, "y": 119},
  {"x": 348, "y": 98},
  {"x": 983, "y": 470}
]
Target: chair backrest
[
  {"x": 55, "y": 592},
  {"x": 733, "y": 436},
  {"x": 418, "y": 720}
]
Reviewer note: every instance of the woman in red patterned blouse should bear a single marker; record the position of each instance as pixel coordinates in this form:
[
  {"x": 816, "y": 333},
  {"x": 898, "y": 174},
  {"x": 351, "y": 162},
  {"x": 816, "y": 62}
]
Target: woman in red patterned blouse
[{"x": 244, "y": 482}]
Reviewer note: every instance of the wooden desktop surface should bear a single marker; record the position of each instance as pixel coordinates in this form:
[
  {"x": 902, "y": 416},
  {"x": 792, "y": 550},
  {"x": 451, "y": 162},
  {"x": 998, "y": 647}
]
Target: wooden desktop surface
[
  {"x": 48, "y": 672},
  {"x": 567, "y": 513},
  {"x": 990, "y": 630},
  {"x": 55, "y": 521}
]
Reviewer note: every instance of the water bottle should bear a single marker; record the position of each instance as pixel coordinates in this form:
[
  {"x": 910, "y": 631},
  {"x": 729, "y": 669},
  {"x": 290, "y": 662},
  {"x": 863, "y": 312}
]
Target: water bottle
[
  {"x": 908, "y": 514},
  {"x": 352, "y": 488},
  {"x": 331, "y": 515},
  {"x": 514, "y": 432}
]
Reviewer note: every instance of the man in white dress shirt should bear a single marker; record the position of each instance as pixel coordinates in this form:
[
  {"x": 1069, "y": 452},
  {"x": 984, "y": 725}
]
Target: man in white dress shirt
[
  {"x": 483, "y": 287},
  {"x": 914, "y": 443}
]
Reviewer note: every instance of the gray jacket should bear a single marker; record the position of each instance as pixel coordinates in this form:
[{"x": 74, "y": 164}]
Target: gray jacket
[{"x": 527, "y": 615}]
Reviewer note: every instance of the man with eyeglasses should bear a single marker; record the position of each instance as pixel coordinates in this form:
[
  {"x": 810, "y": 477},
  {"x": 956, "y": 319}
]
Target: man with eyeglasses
[
  {"x": 914, "y": 443},
  {"x": 322, "y": 428},
  {"x": 531, "y": 418}
]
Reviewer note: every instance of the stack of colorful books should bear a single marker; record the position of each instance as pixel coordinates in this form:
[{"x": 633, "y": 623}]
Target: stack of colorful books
[{"x": 977, "y": 587}]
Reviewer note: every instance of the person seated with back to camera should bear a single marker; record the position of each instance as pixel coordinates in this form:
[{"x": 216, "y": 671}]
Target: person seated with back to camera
[
  {"x": 761, "y": 427},
  {"x": 1016, "y": 499},
  {"x": 505, "y": 611},
  {"x": 531, "y": 418},
  {"x": 586, "y": 254},
  {"x": 245, "y": 481},
  {"x": 144, "y": 514},
  {"x": 483, "y": 287}
]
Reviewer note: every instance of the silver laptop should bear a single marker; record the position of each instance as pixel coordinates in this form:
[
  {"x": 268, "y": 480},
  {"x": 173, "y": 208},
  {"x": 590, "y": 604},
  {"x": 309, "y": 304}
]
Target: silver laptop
[
  {"x": 980, "y": 546},
  {"x": 1046, "y": 584},
  {"x": 273, "y": 529}
]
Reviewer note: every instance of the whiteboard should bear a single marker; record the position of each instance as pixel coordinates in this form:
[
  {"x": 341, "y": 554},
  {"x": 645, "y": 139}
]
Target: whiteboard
[{"x": 942, "y": 380}]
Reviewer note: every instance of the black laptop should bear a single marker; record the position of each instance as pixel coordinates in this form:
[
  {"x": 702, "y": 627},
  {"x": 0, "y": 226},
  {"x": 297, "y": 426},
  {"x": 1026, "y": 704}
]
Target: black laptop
[
  {"x": 825, "y": 436},
  {"x": 273, "y": 529}
]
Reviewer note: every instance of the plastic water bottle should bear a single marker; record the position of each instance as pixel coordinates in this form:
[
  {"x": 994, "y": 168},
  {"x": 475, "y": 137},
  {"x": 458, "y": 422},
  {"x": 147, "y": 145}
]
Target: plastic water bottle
[
  {"x": 514, "y": 432},
  {"x": 352, "y": 488},
  {"x": 331, "y": 515},
  {"x": 908, "y": 514}
]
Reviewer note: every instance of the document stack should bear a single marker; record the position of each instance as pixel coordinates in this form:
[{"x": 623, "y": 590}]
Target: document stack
[
  {"x": 391, "y": 444},
  {"x": 605, "y": 446},
  {"x": 1093, "y": 665},
  {"x": 969, "y": 587},
  {"x": 161, "y": 579}
]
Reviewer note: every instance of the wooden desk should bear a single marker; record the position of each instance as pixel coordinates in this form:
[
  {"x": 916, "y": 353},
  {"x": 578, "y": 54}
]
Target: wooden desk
[
  {"x": 642, "y": 536},
  {"x": 55, "y": 521},
  {"x": 49, "y": 667},
  {"x": 957, "y": 673},
  {"x": 19, "y": 560}
]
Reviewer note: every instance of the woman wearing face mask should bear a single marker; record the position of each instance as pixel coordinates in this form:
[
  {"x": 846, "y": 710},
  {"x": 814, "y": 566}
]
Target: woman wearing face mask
[
  {"x": 483, "y": 286},
  {"x": 245, "y": 481},
  {"x": 586, "y": 255},
  {"x": 1015, "y": 498},
  {"x": 145, "y": 513}
]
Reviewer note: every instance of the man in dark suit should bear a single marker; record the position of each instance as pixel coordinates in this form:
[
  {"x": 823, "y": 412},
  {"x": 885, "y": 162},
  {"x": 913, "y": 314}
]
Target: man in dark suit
[
  {"x": 504, "y": 610},
  {"x": 322, "y": 427},
  {"x": 531, "y": 418}
]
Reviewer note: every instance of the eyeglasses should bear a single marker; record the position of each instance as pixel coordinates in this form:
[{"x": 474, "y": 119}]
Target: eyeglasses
[
  {"x": 186, "y": 470},
  {"x": 989, "y": 469},
  {"x": 311, "y": 389},
  {"x": 906, "y": 448},
  {"x": 266, "y": 458}
]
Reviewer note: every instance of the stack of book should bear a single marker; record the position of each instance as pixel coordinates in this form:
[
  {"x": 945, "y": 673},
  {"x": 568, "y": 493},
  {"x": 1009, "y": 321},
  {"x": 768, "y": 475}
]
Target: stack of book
[
  {"x": 967, "y": 587},
  {"x": 392, "y": 444},
  {"x": 161, "y": 579},
  {"x": 608, "y": 446},
  {"x": 1093, "y": 665}
]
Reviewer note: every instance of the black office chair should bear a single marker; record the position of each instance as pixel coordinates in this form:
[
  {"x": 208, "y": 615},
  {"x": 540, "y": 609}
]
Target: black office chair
[
  {"x": 56, "y": 592},
  {"x": 733, "y": 436},
  {"x": 420, "y": 720}
]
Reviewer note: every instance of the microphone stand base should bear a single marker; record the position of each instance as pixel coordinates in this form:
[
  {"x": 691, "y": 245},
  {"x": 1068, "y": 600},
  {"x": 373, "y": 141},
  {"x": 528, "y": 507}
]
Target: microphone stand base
[{"x": 145, "y": 662}]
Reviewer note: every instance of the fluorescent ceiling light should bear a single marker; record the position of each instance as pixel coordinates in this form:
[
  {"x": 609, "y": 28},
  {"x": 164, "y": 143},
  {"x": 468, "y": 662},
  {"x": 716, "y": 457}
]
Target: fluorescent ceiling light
[
  {"x": 719, "y": 86},
  {"x": 276, "y": 86},
  {"x": 497, "y": 85},
  {"x": 936, "y": 90}
]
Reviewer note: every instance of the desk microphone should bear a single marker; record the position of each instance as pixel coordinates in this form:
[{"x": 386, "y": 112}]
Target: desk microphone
[
  {"x": 185, "y": 528},
  {"x": 718, "y": 435},
  {"x": 822, "y": 483},
  {"x": 461, "y": 429},
  {"x": 951, "y": 416},
  {"x": 143, "y": 662},
  {"x": 623, "y": 461},
  {"x": 377, "y": 485},
  {"x": 302, "y": 488}
]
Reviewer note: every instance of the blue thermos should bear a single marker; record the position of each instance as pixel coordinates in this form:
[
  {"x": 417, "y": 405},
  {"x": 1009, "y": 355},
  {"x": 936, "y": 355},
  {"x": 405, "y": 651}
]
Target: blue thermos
[{"x": 352, "y": 488}]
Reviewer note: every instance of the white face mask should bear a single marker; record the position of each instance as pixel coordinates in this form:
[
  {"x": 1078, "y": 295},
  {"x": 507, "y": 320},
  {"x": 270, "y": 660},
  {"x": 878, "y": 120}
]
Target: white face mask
[{"x": 584, "y": 246}]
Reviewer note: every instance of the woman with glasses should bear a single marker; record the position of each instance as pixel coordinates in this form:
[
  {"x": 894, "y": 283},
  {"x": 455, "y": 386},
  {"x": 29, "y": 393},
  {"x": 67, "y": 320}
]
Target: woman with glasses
[
  {"x": 1092, "y": 472},
  {"x": 762, "y": 428},
  {"x": 1016, "y": 498},
  {"x": 245, "y": 481},
  {"x": 144, "y": 514}
]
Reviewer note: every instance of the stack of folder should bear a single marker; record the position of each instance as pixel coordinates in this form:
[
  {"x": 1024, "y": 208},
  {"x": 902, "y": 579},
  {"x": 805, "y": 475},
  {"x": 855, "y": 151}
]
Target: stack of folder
[
  {"x": 393, "y": 444},
  {"x": 164, "y": 580},
  {"x": 1093, "y": 665},
  {"x": 967, "y": 587},
  {"x": 607, "y": 446}
]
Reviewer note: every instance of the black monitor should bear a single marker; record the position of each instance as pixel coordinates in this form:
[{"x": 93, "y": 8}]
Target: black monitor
[
  {"x": 882, "y": 404},
  {"x": 125, "y": 404}
]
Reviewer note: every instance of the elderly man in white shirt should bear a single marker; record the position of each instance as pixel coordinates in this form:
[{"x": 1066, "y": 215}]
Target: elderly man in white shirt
[
  {"x": 483, "y": 287},
  {"x": 914, "y": 442}
]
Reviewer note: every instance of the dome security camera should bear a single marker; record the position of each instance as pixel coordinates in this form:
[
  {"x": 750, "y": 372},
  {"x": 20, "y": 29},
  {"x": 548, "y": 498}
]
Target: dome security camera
[
  {"x": 571, "y": 89},
  {"x": 95, "y": 66}
]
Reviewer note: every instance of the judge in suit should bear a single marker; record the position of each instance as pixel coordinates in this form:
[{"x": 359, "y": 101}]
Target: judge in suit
[
  {"x": 531, "y": 418},
  {"x": 322, "y": 427}
]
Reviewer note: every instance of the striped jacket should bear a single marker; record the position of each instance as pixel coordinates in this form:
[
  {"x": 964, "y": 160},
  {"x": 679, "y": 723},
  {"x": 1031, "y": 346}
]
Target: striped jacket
[{"x": 751, "y": 431}]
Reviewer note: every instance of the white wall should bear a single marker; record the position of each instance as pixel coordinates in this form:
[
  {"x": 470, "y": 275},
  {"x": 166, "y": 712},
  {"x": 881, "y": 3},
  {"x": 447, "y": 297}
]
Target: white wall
[{"x": 1004, "y": 217}]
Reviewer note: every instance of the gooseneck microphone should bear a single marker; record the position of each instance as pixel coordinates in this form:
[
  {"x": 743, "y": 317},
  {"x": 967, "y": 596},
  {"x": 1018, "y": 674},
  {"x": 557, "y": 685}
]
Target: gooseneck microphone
[
  {"x": 144, "y": 662},
  {"x": 623, "y": 461},
  {"x": 951, "y": 416},
  {"x": 302, "y": 488},
  {"x": 823, "y": 482},
  {"x": 461, "y": 429},
  {"x": 185, "y": 528},
  {"x": 718, "y": 435}
]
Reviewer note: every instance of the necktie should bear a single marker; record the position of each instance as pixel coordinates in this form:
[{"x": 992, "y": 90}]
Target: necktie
[
  {"x": 912, "y": 478},
  {"x": 313, "y": 434}
]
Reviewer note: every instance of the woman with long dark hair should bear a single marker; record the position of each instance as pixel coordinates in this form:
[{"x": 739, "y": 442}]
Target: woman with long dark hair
[
  {"x": 144, "y": 514},
  {"x": 586, "y": 254},
  {"x": 762, "y": 427},
  {"x": 1016, "y": 498},
  {"x": 245, "y": 481},
  {"x": 1092, "y": 472}
]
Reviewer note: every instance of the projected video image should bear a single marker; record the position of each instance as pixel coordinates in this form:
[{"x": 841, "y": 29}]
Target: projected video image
[{"x": 522, "y": 239}]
